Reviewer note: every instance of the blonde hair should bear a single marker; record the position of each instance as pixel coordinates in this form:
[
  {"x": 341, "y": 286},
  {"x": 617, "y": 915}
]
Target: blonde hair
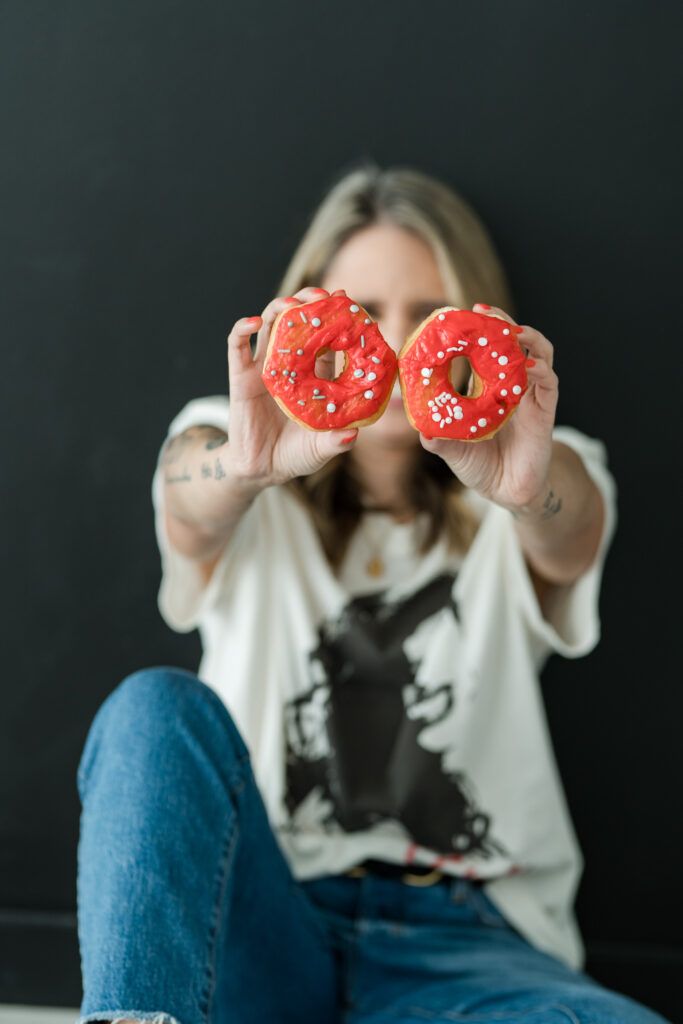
[{"x": 471, "y": 272}]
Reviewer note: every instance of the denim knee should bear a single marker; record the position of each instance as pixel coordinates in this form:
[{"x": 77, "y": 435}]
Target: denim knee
[{"x": 160, "y": 696}]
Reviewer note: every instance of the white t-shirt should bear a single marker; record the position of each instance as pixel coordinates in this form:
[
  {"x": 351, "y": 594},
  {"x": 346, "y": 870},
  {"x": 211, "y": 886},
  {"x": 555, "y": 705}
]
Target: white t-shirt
[{"x": 399, "y": 718}]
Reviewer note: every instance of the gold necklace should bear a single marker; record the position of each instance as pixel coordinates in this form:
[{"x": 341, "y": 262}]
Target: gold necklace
[{"x": 375, "y": 565}]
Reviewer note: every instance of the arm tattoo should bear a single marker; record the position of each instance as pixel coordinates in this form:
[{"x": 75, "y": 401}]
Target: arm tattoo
[
  {"x": 176, "y": 448},
  {"x": 216, "y": 442},
  {"x": 182, "y": 479},
  {"x": 173, "y": 450},
  {"x": 215, "y": 437},
  {"x": 551, "y": 505}
]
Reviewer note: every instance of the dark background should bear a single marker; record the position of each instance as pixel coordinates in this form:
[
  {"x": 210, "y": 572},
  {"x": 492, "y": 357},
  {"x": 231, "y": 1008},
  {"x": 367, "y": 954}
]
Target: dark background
[{"x": 159, "y": 164}]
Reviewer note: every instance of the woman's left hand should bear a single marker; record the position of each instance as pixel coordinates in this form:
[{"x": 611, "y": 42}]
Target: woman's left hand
[{"x": 512, "y": 468}]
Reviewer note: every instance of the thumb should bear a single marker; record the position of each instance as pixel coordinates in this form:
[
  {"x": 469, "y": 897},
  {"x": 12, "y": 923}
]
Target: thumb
[
  {"x": 436, "y": 445},
  {"x": 332, "y": 442},
  {"x": 452, "y": 451}
]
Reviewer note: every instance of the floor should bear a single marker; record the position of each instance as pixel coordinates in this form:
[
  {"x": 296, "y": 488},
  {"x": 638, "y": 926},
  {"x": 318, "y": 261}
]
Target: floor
[{"x": 36, "y": 1015}]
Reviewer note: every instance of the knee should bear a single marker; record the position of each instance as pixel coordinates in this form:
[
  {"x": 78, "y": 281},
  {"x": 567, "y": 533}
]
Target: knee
[
  {"x": 155, "y": 707},
  {"x": 593, "y": 1001}
]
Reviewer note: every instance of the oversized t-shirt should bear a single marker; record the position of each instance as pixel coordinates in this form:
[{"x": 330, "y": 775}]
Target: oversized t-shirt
[{"x": 397, "y": 717}]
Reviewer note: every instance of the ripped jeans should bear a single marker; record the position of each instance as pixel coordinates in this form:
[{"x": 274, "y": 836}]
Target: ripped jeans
[{"x": 188, "y": 912}]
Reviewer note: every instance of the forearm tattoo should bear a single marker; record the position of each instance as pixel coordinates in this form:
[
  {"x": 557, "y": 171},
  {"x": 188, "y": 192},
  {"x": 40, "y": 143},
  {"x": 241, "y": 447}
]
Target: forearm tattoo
[
  {"x": 552, "y": 504},
  {"x": 216, "y": 438},
  {"x": 176, "y": 449},
  {"x": 217, "y": 472},
  {"x": 181, "y": 478}
]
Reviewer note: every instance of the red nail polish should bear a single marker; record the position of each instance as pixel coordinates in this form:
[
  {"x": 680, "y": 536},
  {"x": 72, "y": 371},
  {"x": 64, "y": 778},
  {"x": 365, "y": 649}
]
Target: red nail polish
[
  {"x": 530, "y": 362},
  {"x": 252, "y": 319},
  {"x": 349, "y": 439},
  {"x": 290, "y": 298},
  {"x": 518, "y": 329},
  {"x": 484, "y": 305},
  {"x": 428, "y": 437}
]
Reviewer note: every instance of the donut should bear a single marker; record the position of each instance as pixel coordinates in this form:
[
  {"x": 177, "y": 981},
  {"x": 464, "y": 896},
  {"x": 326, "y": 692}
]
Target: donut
[
  {"x": 299, "y": 335},
  {"x": 432, "y": 404}
]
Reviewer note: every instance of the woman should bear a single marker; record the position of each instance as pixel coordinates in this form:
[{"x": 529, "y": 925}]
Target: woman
[{"x": 353, "y": 811}]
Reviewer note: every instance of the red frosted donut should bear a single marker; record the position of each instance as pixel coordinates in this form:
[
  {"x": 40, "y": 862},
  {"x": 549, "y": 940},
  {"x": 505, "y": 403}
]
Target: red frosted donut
[
  {"x": 499, "y": 375},
  {"x": 338, "y": 324}
]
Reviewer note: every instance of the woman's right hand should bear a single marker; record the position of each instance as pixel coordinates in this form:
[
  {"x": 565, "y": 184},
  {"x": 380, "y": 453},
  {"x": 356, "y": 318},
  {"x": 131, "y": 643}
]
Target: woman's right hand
[{"x": 265, "y": 446}]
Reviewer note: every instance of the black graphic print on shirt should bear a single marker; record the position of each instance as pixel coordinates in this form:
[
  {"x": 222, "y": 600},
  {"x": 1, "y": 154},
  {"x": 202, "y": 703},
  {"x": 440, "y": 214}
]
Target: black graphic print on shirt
[{"x": 353, "y": 746}]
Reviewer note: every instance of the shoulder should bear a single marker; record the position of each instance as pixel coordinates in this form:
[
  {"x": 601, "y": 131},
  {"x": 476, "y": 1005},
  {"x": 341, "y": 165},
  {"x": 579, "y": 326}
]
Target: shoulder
[{"x": 211, "y": 410}]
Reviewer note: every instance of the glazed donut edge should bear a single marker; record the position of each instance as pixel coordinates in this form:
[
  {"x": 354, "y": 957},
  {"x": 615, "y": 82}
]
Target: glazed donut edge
[
  {"x": 316, "y": 326},
  {"x": 447, "y": 405}
]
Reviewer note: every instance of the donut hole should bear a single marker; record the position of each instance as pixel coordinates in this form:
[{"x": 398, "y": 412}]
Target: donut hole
[
  {"x": 464, "y": 379},
  {"x": 329, "y": 364}
]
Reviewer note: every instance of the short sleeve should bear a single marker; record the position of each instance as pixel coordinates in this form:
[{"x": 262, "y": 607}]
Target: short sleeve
[
  {"x": 573, "y": 624},
  {"x": 184, "y": 596}
]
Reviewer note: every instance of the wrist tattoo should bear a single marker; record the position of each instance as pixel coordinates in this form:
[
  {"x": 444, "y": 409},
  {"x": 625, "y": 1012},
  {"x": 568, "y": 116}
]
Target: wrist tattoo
[
  {"x": 219, "y": 472},
  {"x": 551, "y": 505},
  {"x": 183, "y": 478},
  {"x": 206, "y": 469}
]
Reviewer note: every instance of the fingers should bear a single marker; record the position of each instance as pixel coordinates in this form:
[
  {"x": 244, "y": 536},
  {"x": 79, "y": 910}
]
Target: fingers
[
  {"x": 536, "y": 345},
  {"x": 543, "y": 384},
  {"x": 332, "y": 442},
  {"x": 239, "y": 348},
  {"x": 532, "y": 341},
  {"x": 441, "y": 446},
  {"x": 543, "y": 380},
  {"x": 486, "y": 310},
  {"x": 273, "y": 310},
  {"x": 268, "y": 318},
  {"x": 326, "y": 364}
]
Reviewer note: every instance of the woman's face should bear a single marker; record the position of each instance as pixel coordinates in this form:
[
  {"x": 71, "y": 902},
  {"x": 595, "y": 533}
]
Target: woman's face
[{"x": 393, "y": 274}]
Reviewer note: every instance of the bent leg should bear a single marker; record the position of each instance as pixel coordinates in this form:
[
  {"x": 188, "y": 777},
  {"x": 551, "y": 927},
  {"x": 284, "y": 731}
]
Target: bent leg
[
  {"x": 499, "y": 987},
  {"x": 431, "y": 955},
  {"x": 187, "y": 910}
]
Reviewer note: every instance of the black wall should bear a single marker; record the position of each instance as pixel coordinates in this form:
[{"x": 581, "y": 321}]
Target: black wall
[{"x": 159, "y": 161}]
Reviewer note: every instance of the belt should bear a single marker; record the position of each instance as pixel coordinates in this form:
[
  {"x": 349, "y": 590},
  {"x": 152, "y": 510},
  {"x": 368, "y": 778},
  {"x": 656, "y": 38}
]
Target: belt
[{"x": 419, "y": 876}]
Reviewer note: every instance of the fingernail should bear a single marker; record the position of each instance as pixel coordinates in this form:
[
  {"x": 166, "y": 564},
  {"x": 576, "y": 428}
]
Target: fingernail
[
  {"x": 428, "y": 437},
  {"x": 530, "y": 362},
  {"x": 290, "y": 298},
  {"x": 484, "y": 305},
  {"x": 320, "y": 290},
  {"x": 252, "y": 319},
  {"x": 518, "y": 329},
  {"x": 349, "y": 439}
]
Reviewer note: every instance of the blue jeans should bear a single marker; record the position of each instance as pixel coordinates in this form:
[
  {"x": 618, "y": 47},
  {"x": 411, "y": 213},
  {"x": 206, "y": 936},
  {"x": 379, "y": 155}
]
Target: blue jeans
[{"x": 188, "y": 912}]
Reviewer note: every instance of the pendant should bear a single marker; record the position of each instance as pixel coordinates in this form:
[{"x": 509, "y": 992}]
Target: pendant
[{"x": 375, "y": 567}]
